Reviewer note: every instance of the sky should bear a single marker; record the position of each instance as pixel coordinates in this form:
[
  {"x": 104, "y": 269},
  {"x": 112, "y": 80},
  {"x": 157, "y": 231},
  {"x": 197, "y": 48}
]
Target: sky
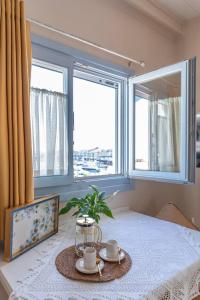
[
  {"x": 46, "y": 79},
  {"x": 94, "y": 114}
]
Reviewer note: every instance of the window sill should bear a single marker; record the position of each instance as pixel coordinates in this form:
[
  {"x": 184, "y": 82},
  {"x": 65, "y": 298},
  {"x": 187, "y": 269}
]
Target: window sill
[{"x": 80, "y": 187}]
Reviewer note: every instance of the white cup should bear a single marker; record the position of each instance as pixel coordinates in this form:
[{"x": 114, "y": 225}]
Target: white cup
[
  {"x": 111, "y": 249},
  {"x": 89, "y": 258}
]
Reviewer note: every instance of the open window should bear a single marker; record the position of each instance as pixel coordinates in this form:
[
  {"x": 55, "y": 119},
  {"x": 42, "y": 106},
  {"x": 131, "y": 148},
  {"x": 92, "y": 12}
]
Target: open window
[
  {"x": 88, "y": 129},
  {"x": 162, "y": 124}
]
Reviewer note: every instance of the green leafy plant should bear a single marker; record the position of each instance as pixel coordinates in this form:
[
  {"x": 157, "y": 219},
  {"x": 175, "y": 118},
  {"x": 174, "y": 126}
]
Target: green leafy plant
[{"x": 93, "y": 204}]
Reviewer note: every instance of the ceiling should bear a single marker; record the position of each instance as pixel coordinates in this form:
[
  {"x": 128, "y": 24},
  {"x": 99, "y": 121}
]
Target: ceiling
[
  {"x": 171, "y": 13},
  {"x": 181, "y": 9}
]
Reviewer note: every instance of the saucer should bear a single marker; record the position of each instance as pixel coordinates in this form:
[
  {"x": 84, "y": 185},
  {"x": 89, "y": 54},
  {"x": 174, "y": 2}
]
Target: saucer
[
  {"x": 102, "y": 254},
  {"x": 80, "y": 267}
]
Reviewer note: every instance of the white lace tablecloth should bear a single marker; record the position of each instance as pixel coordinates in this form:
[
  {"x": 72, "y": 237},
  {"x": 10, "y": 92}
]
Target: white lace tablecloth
[{"x": 165, "y": 256}]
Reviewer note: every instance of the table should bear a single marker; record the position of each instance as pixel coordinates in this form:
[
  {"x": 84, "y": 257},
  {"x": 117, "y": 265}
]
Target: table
[{"x": 166, "y": 263}]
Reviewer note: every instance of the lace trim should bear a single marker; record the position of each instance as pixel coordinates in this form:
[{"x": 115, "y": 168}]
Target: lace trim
[{"x": 184, "y": 286}]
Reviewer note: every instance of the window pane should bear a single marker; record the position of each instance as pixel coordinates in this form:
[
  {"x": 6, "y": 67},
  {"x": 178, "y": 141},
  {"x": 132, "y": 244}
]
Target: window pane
[
  {"x": 44, "y": 78},
  {"x": 49, "y": 122},
  {"x": 95, "y": 128},
  {"x": 157, "y": 124}
]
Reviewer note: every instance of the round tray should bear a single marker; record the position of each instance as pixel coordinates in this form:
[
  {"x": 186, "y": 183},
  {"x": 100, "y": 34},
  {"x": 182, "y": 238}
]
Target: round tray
[{"x": 65, "y": 264}]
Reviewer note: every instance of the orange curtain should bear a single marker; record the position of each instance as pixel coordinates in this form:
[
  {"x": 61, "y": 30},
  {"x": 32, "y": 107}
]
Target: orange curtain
[{"x": 16, "y": 174}]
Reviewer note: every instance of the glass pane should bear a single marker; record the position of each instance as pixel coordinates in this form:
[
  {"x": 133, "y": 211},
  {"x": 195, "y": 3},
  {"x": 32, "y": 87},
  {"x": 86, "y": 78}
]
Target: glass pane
[
  {"x": 47, "y": 79},
  {"x": 95, "y": 129},
  {"x": 49, "y": 122},
  {"x": 157, "y": 124}
]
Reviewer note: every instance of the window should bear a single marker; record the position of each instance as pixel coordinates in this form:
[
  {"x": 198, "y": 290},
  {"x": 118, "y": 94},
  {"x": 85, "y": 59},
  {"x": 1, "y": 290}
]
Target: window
[
  {"x": 49, "y": 119},
  {"x": 71, "y": 109},
  {"x": 162, "y": 120},
  {"x": 86, "y": 123},
  {"x": 95, "y": 113}
]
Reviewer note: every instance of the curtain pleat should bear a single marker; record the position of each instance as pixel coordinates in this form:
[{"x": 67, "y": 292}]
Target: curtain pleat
[
  {"x": 61, "y": 111},
  {"x": 49, "y": 126},
  {"x": 168, "y": 134},
  {"x": 51, "y": 132},
  {"x": 16, "y": 176},
  {"x": 4, "y": 153}
]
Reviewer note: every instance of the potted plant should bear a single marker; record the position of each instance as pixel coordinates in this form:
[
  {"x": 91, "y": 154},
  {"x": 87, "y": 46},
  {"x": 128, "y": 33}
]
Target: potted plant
[{"x": 93, "y": 204}]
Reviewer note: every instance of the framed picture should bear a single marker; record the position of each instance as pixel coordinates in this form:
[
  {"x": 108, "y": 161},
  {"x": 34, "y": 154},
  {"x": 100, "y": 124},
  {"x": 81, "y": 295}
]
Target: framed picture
[{"x": 30, "y": 224}]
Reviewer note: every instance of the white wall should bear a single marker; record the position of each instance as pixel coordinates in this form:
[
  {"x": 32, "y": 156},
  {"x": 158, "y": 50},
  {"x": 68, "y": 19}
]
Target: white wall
[{"x": 110, "y": 23}]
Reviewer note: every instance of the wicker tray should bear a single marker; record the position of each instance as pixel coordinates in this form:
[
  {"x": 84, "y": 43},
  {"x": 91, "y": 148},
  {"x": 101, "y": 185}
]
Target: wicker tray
[{"x": 65, "y": 264}]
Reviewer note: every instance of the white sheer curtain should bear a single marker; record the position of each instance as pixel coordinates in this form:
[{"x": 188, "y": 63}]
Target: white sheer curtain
[
  {"x": 169, "y": 135},
  {"x": 166, "y": 134},
  {"x": 49, "y": 132}
]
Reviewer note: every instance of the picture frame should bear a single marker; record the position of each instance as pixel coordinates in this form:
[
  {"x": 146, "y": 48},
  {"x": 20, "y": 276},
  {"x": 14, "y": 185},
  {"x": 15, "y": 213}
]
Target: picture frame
[{"x": 28, "y": 225}]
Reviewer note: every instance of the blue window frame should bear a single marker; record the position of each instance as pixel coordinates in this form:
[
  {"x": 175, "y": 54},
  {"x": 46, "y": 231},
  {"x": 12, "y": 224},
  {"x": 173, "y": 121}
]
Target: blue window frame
[
  {"x": 73, "y": 68},
  {"x": 133, "y": 96},
  {"x": 50, "y": 60},
  {"x": 105, "y": 106}
]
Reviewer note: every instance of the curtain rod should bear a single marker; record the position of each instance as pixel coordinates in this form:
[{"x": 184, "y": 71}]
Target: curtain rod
[{"x": 94, "y": 45}]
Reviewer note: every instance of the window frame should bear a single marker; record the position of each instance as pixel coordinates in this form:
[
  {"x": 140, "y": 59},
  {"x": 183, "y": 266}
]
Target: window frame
[
  {"x": 68, "y": 186},
  {"x": 187, "y": 135},
  {"x": 93, "y": 75},
  {"x": 52, "y": 57}
]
